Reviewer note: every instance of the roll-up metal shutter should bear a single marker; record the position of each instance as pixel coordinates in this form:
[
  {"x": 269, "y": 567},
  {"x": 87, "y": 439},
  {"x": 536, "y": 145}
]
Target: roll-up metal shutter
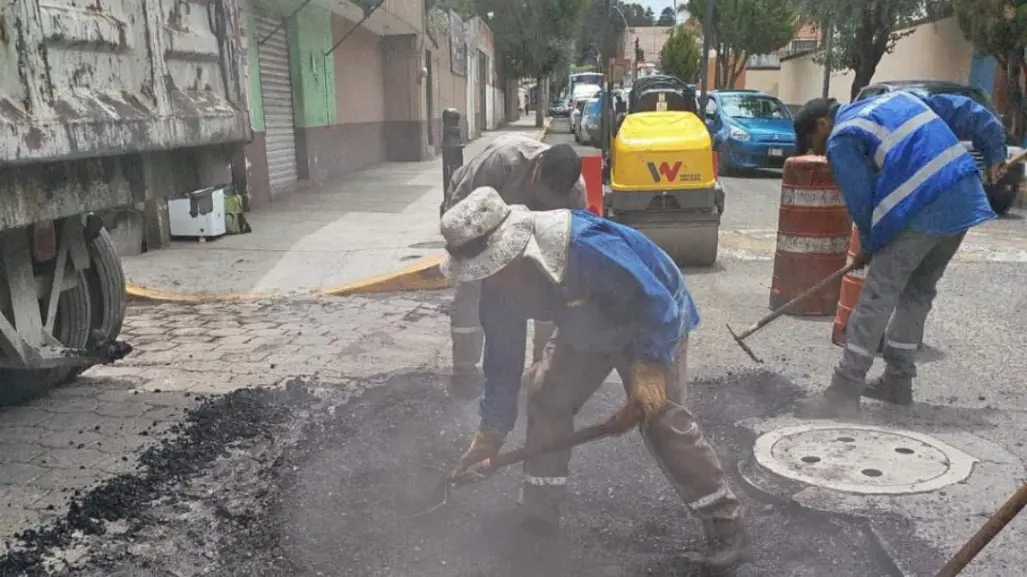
[{"x": 276, "y": 88}]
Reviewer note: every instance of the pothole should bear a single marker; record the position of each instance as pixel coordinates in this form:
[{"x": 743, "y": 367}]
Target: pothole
[{"x": 861, "y": 459}]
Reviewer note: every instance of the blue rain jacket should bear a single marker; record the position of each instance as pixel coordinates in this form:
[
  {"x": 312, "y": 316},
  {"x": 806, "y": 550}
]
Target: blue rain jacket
[
  {"x": 621, "y": 295},
  {"x": 899, "y": 163}
]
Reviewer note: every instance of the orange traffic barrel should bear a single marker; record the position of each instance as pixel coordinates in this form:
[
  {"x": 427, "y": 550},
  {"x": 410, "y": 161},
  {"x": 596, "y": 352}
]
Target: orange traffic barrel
[
  {"x": 848, "y": 295},
  {"x": 812, "y": 235},
  {"x": 592, "y": 171}
]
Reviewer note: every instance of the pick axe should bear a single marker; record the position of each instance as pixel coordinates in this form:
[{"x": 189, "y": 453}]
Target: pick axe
[{"x": 813, "y": 290}]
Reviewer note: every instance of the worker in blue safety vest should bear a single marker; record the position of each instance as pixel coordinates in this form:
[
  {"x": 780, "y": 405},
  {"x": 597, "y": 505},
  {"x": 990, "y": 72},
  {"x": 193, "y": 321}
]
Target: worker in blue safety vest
[
  {"x": 619, "y": 303},
  {"x": 913, "y": 190}
]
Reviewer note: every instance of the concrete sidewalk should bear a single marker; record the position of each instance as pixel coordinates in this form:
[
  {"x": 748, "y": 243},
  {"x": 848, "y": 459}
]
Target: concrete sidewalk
[{"x": 363, "y": 226}]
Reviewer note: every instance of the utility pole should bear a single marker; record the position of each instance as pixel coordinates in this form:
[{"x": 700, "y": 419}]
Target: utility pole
[
  {"x": 828, "y": 56},
  {"x": 707, "y": 41}
]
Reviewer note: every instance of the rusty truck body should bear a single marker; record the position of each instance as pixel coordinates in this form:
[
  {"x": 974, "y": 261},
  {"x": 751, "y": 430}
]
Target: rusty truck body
[{"x": 103, "y": 104}]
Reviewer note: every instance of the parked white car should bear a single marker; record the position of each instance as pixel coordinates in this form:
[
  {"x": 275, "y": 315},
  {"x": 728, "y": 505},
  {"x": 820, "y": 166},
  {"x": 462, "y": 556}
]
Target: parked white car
[{"x": 582, "y": 93}]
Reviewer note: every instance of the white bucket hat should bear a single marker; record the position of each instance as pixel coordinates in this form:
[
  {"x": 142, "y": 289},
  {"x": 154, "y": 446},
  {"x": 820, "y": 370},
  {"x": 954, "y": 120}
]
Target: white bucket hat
[{"x": 484, "y": 234}]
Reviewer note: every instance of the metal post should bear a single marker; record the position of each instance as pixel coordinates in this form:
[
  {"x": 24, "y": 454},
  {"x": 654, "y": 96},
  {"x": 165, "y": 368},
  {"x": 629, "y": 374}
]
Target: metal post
[
  {"x": 828, "y": 60},
  {"x": 707, "y": 41},
  {"x": 452, "y": 150},
  {"x": 606, "y": 57}
]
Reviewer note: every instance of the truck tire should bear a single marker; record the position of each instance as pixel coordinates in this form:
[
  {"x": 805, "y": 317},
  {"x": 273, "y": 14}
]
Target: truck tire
[
  {"x": 72, "y": 328},
  {"x": 108, "y": 301}
]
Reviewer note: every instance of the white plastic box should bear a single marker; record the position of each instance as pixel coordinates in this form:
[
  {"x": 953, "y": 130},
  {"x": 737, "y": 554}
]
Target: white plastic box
[{"x": 204, "y": 226}]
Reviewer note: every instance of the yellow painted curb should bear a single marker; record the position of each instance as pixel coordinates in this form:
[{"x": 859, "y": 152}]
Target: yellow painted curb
[
  {"x": 149, "y": 294},
  {"x": 421, "y": 275},
  {"x": 545, "y": 129}
]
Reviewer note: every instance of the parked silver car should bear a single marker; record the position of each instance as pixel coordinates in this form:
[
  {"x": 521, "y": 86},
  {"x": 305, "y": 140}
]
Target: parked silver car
[{"x": 589, "y": 129}]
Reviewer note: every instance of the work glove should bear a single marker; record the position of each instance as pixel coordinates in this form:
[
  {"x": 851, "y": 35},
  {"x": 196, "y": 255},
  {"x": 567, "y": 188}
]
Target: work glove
[
  {"x": 862, "y": 259},
  {"x": 485, "y": 444},
  {"x": 996, "y": 173},
  {"x": 647, "y": 396}
]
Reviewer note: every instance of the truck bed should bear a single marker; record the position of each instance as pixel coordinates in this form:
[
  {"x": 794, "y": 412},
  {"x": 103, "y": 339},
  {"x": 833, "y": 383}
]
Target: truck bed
[{"x": 92, "y": 78}]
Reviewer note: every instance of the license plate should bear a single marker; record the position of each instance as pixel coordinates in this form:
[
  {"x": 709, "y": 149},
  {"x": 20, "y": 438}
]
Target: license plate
[{"x": 775, "y": 152}]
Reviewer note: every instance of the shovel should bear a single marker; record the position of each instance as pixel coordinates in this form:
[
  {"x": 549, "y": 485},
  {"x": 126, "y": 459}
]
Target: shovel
[{"x": 439, "y": 496}]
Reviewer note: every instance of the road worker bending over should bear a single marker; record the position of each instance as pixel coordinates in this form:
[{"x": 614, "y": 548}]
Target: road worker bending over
[
  {"x": 524, "y": 171},
  {"x": 913, "y": 191},
  {"x": 618, "y": 302}
]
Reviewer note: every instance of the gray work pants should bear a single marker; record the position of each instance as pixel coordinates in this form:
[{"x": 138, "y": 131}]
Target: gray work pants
[
  {"x": 567, "y": 378},
  {"x": 468, "y": 337},
  {"x": 897, "y": 296}
]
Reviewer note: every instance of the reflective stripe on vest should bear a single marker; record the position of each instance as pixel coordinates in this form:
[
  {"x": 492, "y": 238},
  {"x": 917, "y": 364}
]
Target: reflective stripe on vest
[{"x": 917, "y": 156}]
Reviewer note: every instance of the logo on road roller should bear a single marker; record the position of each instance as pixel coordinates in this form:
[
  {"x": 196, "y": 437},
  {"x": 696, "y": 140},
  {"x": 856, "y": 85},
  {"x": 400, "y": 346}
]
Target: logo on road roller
[{"x": 670, "y": 172}]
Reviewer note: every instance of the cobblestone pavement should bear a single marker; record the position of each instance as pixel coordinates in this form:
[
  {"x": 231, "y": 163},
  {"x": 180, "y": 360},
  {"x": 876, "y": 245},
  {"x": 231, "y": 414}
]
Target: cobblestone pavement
[{"x": 95, "y": 427}]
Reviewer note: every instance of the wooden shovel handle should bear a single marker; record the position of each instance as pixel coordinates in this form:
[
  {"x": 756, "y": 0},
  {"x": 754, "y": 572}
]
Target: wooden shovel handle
[
  {"x": 613, "y": 426},
  {"x": 986, "y": 533}
]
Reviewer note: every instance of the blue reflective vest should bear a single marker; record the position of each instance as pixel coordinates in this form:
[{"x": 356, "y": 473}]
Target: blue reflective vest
[{"x": 917, "y": 156}]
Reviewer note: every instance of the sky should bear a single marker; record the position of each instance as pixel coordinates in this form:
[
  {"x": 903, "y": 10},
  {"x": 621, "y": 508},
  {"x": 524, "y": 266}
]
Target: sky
[{"x": 657, "y": 5}]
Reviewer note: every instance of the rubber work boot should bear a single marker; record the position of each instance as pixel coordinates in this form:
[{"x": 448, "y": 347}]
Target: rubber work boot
[
  {"x": 466, "y": 384},
  {"x": 540, "y": 510},
  {"x": 839, "y": 401},
  {"x": 890, "y": 388},
  {"x": 727, "y": 545}
]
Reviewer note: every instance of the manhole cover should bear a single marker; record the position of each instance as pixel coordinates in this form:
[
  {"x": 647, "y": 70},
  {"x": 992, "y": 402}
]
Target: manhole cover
[{"x": 862, "y": 459}]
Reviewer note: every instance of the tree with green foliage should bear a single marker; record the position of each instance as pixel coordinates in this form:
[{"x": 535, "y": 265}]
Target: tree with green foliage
[
  {"x": 998, "y": 28},
  {"x": 589, "y": 45},
  {"x": 531, "y": 37},
  {"x": 667, "y": 17},
  {"x": 681, "y": 55},
  {"x": 742, "y": 28},
  {"x": 638, "y": 16},
  {"x": 465, "y": 8},
  {"x": 866, "y": 30}
]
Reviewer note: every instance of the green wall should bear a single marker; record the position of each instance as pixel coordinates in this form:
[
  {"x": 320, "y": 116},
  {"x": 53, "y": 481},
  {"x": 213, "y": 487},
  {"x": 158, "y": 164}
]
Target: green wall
[
  {"x": 309, "y": 34},
  {"x": 313, "y": 74},
  {"x": 256, "y": 96}
]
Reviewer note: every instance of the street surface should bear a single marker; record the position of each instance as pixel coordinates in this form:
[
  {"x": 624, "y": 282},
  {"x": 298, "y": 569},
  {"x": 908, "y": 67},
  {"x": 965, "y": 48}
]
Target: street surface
[{"x": 281, "y": 438}]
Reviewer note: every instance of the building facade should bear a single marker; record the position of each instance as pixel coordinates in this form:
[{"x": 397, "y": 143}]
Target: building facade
[{"x": 340, "y": 85}]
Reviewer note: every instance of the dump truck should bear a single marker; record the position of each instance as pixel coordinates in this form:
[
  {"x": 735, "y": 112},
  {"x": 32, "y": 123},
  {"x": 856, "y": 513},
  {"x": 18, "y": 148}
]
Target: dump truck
[{"x": 104, "y": 106}]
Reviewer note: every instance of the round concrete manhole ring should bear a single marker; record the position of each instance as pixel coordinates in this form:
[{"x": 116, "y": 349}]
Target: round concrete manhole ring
[{"x": 861, "y": 459}]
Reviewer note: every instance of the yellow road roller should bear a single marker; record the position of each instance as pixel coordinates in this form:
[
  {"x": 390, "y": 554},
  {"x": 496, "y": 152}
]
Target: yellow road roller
[{"x": 662, "y": 172}]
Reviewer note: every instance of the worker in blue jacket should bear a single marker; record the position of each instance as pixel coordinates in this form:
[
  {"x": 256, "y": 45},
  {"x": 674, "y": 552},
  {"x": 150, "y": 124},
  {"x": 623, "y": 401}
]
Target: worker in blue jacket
[
  {"x": 913, "y": 190},
  {"x": 619, "y": 303}
]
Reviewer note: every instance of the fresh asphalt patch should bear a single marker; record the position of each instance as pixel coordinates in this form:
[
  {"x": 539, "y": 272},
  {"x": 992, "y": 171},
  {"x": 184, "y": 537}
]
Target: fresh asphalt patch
[{"x": 294, "y": 482}]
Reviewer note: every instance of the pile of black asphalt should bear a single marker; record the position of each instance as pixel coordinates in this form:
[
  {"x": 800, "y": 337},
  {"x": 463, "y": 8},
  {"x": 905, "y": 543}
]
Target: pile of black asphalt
[{"x": 280, "y": 483}]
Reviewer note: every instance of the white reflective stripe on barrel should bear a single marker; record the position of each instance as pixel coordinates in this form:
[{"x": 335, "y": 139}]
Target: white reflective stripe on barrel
[
  {"x": 859, "y": 273},
  {"x": 812, "y": 244},
  {"x": 791, "y": 196}
]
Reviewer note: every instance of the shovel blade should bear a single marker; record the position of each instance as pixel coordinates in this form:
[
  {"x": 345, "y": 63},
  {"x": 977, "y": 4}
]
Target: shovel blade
[{"x": 428, "y": 492}]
